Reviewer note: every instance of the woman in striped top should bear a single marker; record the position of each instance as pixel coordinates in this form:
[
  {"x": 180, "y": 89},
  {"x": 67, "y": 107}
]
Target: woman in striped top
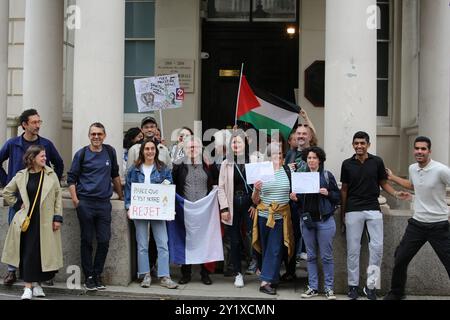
[{"x": 272, "y": 225}]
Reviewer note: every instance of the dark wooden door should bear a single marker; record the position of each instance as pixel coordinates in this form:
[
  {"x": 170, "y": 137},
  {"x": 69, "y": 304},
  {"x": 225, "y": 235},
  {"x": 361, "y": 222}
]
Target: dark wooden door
[{"x": 270, "y": 60}]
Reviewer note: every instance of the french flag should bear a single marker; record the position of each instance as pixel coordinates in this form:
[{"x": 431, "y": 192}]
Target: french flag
[{"x": 194, "y": 235}]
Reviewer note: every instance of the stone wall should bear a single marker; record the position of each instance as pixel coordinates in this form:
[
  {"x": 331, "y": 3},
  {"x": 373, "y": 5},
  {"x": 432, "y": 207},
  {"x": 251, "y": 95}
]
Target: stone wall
[
  {"x": 426, "y": 274},
  {"x": 119, "y": 266}
]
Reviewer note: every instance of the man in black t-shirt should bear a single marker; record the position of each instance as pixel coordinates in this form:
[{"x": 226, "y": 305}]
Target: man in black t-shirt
[{"x": 361, "y": 177}]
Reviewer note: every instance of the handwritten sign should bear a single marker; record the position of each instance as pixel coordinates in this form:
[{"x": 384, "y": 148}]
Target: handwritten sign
[
  {"x": 158, "y": 93},
  {"x": 259, "y": 171},
  {"x": 305, "y": 182},
  {"x": 152, "y": 201}
]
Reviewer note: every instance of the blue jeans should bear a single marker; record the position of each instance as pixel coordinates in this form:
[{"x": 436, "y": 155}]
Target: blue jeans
[
  {"x": 320, "y": 237},
  {"x": 94, "y": 217},
  {"x": 159, "y": 231},
  {"x": 272, "y": 249}
]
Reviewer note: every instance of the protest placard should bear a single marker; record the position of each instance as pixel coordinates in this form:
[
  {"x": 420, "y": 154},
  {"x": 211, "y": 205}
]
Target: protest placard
[
  {"x": 158, "y": 93},
  {"x": 259, "y": 171},
  {"x": 305, "y": 182},
  {"x": 152, "y": 201}
]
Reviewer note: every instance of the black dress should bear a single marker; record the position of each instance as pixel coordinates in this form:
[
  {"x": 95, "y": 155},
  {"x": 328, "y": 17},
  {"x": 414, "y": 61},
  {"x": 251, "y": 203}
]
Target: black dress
[{"x": 30, "y": 241}]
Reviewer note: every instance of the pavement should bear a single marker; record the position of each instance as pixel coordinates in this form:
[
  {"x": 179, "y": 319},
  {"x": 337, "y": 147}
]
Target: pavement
[{"x": 221, "y": 289}]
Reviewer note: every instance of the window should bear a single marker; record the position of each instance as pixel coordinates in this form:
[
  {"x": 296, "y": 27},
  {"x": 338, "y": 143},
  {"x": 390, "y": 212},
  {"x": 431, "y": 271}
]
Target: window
[
  {"x": 139, "y": 47},
  {"x": 252, "y": 10},
  {"x": 384, "y": 104}
]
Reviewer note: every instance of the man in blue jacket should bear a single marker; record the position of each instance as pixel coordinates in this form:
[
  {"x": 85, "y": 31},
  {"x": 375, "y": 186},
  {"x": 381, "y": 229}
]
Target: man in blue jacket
[{"x": 14, "y": 149}]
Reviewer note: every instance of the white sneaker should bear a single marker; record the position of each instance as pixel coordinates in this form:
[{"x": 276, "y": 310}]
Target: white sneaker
[
  {"x": 239, "y": 281},
  {"x": 38, "y": 292},
  {"x": 147, "y": 281},
  {"x": 303, "y": 256},
  {"x": 27, "y": 294}
]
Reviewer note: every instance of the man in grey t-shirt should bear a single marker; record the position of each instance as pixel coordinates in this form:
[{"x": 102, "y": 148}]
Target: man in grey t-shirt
[{"x": 429, "y": 179}]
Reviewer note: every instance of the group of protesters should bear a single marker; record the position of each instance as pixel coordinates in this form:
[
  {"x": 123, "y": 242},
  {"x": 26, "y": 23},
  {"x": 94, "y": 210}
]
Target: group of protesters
[{"x": 265, "y": 219}]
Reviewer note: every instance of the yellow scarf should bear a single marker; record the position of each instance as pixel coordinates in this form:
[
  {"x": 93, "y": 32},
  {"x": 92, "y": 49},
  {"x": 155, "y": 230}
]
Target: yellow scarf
[{"x": 288, "y": 233}]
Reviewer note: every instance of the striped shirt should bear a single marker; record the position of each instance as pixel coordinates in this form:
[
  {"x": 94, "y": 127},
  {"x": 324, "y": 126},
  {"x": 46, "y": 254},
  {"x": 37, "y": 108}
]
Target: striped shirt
[{"x": 275, "y": 191}]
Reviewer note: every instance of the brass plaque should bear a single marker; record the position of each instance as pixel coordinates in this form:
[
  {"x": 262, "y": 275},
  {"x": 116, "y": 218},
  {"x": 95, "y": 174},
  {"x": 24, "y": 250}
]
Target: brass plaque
[{"x": 229, "y": 73}]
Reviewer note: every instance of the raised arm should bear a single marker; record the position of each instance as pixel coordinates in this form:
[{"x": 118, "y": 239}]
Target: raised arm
[{"x": 302, "y": 114}]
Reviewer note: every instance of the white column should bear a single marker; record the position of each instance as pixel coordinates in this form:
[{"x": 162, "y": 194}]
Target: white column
[
  {"x": 4, "y": 27},
  {"x": 43, "y": 64},
  {"x": 350, "y": 77},
  {"x": 99, "y": 71},
  {"x": 434, "y": 82}
]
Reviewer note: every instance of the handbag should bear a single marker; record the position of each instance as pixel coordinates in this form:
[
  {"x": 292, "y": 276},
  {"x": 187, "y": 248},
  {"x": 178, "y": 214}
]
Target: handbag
[
  {"x": 307, "y": 220},
  {"x": 26, "y": 222}
]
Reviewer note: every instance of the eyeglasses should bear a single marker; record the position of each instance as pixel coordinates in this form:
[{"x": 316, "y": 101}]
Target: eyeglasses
[{"x": 100, "y": 134}]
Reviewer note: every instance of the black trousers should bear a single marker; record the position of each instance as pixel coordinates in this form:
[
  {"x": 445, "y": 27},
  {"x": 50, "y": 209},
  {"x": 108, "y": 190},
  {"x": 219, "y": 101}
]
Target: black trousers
[
  {"x": 95, "y": 219},
  {"x": 186, "y": 270},
  {"x": 416, "y": 235}
]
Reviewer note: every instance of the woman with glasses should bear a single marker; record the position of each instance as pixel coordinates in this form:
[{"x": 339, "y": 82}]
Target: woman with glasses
[{"x": 194, "y": 180}]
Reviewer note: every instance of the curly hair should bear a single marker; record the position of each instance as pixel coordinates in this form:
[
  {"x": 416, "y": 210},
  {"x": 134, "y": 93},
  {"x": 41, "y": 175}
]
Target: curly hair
[{"x": 319, "y": 153}]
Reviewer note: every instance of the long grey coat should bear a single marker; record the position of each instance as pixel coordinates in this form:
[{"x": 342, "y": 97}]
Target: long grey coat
[{"x": 51, "y": 204}]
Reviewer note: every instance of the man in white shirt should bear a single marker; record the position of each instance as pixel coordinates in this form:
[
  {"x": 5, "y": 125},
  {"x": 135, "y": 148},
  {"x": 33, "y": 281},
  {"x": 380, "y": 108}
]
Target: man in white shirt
[{"x": 429, "y": 179}]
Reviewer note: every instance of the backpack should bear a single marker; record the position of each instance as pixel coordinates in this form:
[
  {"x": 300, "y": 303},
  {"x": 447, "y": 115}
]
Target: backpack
[{"x": 112, "y": 158}]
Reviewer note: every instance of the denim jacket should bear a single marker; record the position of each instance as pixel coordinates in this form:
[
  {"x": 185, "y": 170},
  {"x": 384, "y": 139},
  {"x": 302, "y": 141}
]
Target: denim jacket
[
  {"x": 327, "y": 204},
  {"x": 136, "y": 175}
]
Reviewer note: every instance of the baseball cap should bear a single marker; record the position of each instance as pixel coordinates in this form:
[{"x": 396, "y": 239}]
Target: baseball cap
[{"x": 148, "y": 119}]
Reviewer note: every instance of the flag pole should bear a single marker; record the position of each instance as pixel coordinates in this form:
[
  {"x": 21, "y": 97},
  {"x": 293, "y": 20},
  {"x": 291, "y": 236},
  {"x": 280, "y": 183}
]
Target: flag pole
[{"x": 239, "y": 92}]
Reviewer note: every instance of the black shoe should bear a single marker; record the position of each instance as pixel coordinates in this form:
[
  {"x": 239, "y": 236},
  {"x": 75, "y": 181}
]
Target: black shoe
[
  {"x": 268, "y": 289},
  {"x": 90, "y": 284},
  {"x": 184, "y": 279},
  {"x": 288, "y": 277},
  {"x": 393, "y": 296},
  {"x": 370, "y": 293},
  {"x": 10, "y": 278},
  {"x": 206, "y": 279},
  {"x": 353, "y": 292},
  {"x": 99, "y": 283},
  {"x": 49, "y": 283}
]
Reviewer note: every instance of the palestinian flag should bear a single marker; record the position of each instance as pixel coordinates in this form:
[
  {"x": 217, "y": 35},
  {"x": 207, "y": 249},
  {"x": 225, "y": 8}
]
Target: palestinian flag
[{"x": 265, "y": 110}]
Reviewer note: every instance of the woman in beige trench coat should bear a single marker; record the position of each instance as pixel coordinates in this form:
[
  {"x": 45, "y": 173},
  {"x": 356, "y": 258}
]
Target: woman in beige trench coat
[{"x": 37, "y": 252}]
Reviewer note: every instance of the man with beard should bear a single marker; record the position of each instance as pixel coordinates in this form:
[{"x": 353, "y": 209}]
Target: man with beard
[
  {"x": 14, "y": 149},
  {"x": 429, "y": 179}
]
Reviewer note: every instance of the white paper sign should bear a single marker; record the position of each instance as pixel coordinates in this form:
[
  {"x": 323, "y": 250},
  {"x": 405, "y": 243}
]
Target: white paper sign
[
  {"x": 152, "y": 201},
  {"x": 305, "y": 182},
  {"x": 259, "y": 171},
  {"x": 158, "y": 93}
]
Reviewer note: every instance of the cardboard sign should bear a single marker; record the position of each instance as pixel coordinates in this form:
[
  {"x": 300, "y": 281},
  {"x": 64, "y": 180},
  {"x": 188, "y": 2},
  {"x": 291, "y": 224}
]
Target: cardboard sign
[
  {"x": 152, "y": 201},
  {"x": 158, "y": 93}
]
